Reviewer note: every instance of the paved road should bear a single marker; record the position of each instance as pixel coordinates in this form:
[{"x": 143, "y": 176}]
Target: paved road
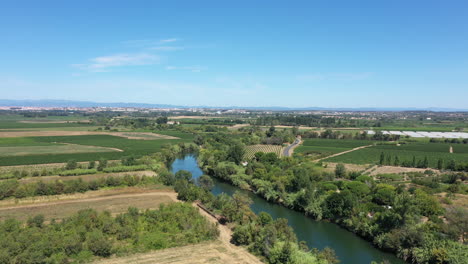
[{"x": 288, "y": 150}]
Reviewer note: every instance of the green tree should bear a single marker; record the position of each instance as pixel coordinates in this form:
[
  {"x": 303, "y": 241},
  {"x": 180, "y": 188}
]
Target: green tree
[
  {"x": 102, "y": 164},
  {"x": 440, "y": 164},
  {"x": 236, "y": 153},
  {"x": 206, "y": 182},
  {"x": 71, "y": 165},
  {"x": 382, "y": 159},
  {"x": 340, "y": 171}
]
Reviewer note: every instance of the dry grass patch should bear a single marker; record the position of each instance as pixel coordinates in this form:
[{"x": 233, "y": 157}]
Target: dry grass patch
[
  {"x": 349, "y": 167},
  {"x": 213, "y": 252},
  {"x": 114, "y": 202}
]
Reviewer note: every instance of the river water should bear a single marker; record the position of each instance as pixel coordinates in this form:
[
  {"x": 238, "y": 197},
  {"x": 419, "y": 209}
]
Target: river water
[{"x": 317, "y": 234}]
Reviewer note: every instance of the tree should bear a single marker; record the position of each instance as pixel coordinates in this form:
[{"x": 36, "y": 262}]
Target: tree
[
  {"x": 242, "y": 204},
  {"x": 340, "y": 171},
  {"x": 457, "y": 226},
  {"x": 183, "y": 175},
  {"x": 440, "y": 164},
  {"x": 98, "y": 244},
  {"x": 382, "y": 159},
  {"x": 339, "y": 204},
  {"x": 36, "y": 221},
  {"x": 206, "y": 182},
  {"x": 129, "y": 161},
  {"x": 236, "y": 153},
  {"x": 91, "y": 164},
  {"x": 396, "y": 162},
  {"x": 102, "y": 164},
  {"x": 451, "y": 165},
  {"x": 71, "y": 165},
  {"x": 270, "y": 131}
]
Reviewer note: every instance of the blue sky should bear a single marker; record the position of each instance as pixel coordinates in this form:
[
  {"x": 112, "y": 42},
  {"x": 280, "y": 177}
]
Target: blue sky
[{"x": 244, "y": 53}]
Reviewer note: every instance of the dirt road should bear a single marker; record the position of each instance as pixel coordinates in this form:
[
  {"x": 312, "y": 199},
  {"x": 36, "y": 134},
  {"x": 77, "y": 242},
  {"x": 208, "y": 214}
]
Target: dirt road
[{"x": 344, "y": 152}]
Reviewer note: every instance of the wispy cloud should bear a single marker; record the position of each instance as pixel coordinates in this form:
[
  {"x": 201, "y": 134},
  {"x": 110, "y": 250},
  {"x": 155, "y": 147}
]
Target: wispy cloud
[
  {"x": 169, "y": 40},
  {"x": 335, "y": 76},
  {"x": 167, "y": 48},
  {"x": 187, "y": 68},
  {"x": 103, "y": 63}
]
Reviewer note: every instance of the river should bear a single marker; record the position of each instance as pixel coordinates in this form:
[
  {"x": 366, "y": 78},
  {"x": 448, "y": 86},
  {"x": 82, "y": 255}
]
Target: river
[{"x": 317, "y": 234}]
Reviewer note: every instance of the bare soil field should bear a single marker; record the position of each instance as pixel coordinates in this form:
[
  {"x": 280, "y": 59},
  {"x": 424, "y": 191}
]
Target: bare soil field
[
  {"x": 129, "y": 135},
  {"x": 212, "y": 252},
  {"x": 114, "y": 202},
  {"x": 88, "y": 177},
  {"x": 349, "y": 167}
]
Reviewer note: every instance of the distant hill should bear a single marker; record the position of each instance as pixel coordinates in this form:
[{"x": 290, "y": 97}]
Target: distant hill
[{"x": 80, "y": 104}]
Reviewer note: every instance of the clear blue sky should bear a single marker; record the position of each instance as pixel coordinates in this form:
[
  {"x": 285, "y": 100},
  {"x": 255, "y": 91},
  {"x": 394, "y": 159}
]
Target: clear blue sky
[{"x": 244, "y": 53}]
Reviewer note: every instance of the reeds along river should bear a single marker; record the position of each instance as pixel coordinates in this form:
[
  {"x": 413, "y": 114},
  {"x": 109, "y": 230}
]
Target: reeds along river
[{"x": 317, "y": 234}]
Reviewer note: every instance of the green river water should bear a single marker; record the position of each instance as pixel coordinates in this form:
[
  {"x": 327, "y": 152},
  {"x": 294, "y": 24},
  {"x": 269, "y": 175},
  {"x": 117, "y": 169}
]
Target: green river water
[{"x": 318, "y": 234}]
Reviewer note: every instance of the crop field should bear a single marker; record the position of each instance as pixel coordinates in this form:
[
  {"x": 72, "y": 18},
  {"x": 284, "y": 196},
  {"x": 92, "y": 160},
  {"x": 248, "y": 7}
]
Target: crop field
[
  {"x": 52, "y": 149},
  {"x": 405, "y": 152},
  {"x": 326, "y": 147},
  {"x": 128, "y": 146},
  {"x": 44, "y": 133},
  {"x": 251, "y": 150}
]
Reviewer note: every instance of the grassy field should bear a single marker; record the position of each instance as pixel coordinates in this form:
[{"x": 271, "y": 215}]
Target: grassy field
[
  {"x": 251, "y": 150},
  {"x": 326, "y": 147},
  {"x": 405, "y": 152},
  {"x": 129, "y": 147}
]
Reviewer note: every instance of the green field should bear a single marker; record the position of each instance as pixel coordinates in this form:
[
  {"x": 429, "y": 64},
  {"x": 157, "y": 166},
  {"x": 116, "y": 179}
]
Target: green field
[
  {"x": 129, "y": 147},
  {"x": 325, "y": 147},
  {"x": 405, "y": 152},
  {"x": 50, "y": 149}
]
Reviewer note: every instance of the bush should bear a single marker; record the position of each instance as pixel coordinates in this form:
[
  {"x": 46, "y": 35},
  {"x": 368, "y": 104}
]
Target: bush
[
  {"x": 77, "y": 172},
  {"x": 125, "y": 168}
]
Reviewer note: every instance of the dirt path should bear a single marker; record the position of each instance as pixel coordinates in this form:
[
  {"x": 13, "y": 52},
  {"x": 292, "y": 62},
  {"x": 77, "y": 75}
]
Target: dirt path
[
  {"x": 225, "y": 235},
  {"x": 344, "y": 152}
]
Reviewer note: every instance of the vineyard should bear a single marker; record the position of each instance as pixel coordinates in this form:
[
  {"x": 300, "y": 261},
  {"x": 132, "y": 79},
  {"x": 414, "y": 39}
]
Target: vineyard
[
  {"x": 432, "y": 151},
  {"x": 251, "y": 150}
]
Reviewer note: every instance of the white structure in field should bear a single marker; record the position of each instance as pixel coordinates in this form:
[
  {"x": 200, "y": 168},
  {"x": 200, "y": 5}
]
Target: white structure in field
[{"x": 422, "y": 134}]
